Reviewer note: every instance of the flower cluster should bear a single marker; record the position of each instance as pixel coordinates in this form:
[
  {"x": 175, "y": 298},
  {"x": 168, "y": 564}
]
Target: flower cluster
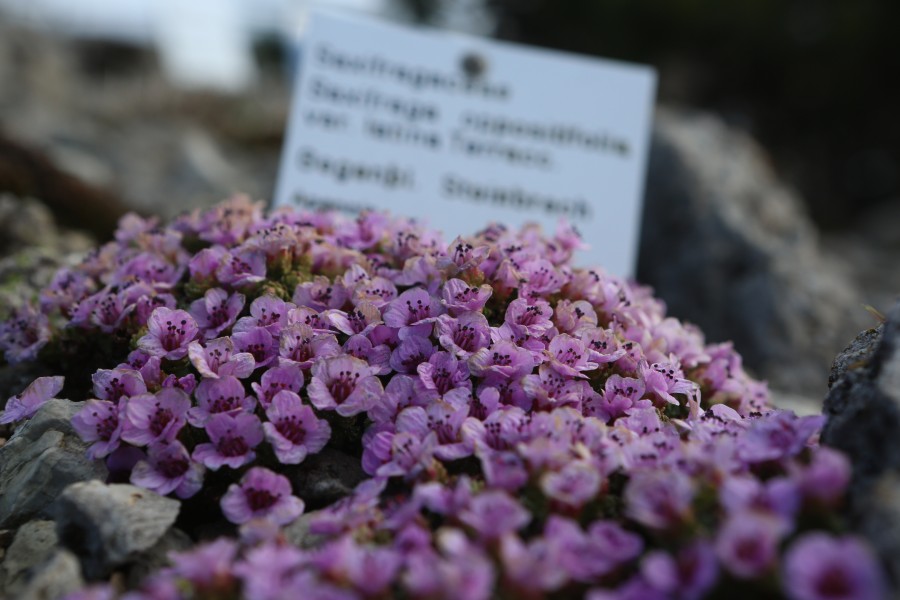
[{"x": 527, "y": 427}]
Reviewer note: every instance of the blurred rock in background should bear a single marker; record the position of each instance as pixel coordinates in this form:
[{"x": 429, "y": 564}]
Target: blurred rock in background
[
  {"x": 104, "y": 113},
  {"x": 728, "y": 246}
]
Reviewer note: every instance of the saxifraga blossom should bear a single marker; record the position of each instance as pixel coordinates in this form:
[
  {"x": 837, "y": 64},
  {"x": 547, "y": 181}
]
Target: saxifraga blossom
[{"x": 527, "y": 427}]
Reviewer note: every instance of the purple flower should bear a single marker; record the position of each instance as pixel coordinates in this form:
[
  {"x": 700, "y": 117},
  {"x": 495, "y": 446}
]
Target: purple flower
[
  {"x": 378, "y": 291},
  {"x": 232, "y": 439},
  {"x": 378, "y": 357},
  {"x": 261, "y": 494},
  {"x": 491, "y": 514},
  {"x": 414, "y": 307},
  {"x": 38, "y": 392},
  {"x": 503, "y": 469},
  {"x": 399, "y": 393},
  {"x": 442, "y": 418},
  {"x": 747, "y": 544},
  {"x": 464, "y": 568},
  {"x": 687, "y": 575},
  {"x": 205, "y": 263},
  {"x": 66, "y": 289},
  {"x": 820, "y": 567},
  {"x": 293, "y": 429},
  {"x": 659, "y": 499},
  {"x": 151, "y": 418},
  {"x": 410, "y": 353},
  {"x": 216, "y": 311},
  {"x": 269, "y": 570},
  {"x": 149, "y": 268},
  {"x": 602, "y": 345},
  {"x": 215, "y": 396},
  {"x": 286, "y": 377},
  {"x": 569, "y": 357},
  {"x": 242, "y": 267},
  {"x": 532, "y": 567},
  {"x": 778, "y": 496},
  {"x": 575, "y": 484},
  {"x": 665, "y": 379},
  {"x": 551, "y": 390},
  {"x": 145, "y": 305},
  {"x": 459, "y": 297},
  {"x": 540, "y": 278},
  {"x": 778, "y": 435},
  {"x": 320, "y": 294},
  {"x": 574, "y": 317},
  {"x": 464, "y": 255},
  {"x": 99, "y": 422},
  {"x": 24, "y": 334},
  {"x": 368, "y": 569},
  {"x": 300, "y": 344},
  {"x": 207, "y": 567},
  {"x": 826, "y": 477},
  {"x": 110, "y": 309},
  {"x": 619, "y": 395},
  {"x": 585, "y": 557},
  {"x": 218, "y": 359},
  {"x": 268, "y": 312},
  {"x": 259, "y": 343},
  {"x": 443, "y": 373},
  {"x": 359, "y": 320},
  {"x": 170, "y": 332},
  {"x": 531, "y": 317},
  {"x": 503, "y": 360},
  {"x": 113, "y": 384},
  {"x": 388, "y": 454},
  {"x": 463, "y": 335},
  {"x": 168, "y": 469},
  {"x": 343, "y": 384}
]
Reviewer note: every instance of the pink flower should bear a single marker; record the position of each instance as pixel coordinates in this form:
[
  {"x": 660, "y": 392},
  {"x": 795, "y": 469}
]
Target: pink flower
[
  {"x": 168, "y": 468},
  {"x": 170, "y": 332},
  {"x": 38, "y": 392},
  {"x": 232, "y": 440},
  {"x": 286, "y": 377},
  {"x": 293, "y": 429},
  {"x": 821, "y": 567},
  {"x": 99, "y": 422},
  {"x": 112, "y": 384},
  {"x": 218, "y": 359},
  {"x": 343, "y": 384},
  {"x": 151, "y": 418},
  {"x": 216, "y": 311},
  {"x": 214, "y": 396},
  {"x": 261, "y": 494}
]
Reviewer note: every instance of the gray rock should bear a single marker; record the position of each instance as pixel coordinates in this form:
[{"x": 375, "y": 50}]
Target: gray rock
[
  {"x": 856, "y": 355},
  {"x": 110, "y": 525},
  {"x": 325, "y": 477},
  {"x": 35, "y": 541},
  {"x": 37, "y": 463},
  {"x": 863, "y": 410},
  {"x": 729, "y": 247},
  {"x": 55, "y": 578}
]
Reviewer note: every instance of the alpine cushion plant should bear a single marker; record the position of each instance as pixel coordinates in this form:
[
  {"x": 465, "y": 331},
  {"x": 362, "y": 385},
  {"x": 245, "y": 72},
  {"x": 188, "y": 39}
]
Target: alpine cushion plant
[{"x": 528, "y": 428}]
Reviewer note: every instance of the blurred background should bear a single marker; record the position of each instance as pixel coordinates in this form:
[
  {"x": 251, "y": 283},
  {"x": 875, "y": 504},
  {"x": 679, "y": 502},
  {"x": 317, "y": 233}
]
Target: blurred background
[{"x": 773, "y": 193}]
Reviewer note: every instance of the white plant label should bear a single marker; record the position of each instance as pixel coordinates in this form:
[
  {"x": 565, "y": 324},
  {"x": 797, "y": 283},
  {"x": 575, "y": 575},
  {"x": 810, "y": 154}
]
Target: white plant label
[{"x": 461, "y": 132}]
